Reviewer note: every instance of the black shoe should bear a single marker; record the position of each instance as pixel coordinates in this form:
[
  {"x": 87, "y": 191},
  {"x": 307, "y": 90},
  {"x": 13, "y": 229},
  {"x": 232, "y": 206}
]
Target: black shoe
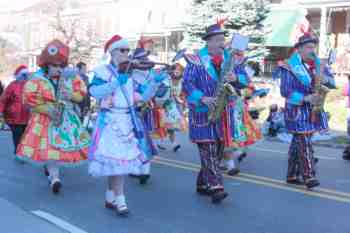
[
  {"x": 241, "y": 157},
  {"x": 233, "y": 172},
  {"x": 144, "y": 179},
  {"x": 176, "y": 148},
  {"x": 316, "y": 160},
  {"x": 218, "y": 196},
  {"x": 56, "y": 187},
  {"x": 346, "y": 157},
  {"x": 134, "y": 176},
  {"x": 161, "y": 147},
  {"x": 312, "y": 183},
  {"x": 295, "y": 182}
]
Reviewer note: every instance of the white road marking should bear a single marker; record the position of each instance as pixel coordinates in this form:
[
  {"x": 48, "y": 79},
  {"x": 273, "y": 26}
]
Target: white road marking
[
  {"x": 58, "y": 222},
  {"x": 285, "y": 153}
]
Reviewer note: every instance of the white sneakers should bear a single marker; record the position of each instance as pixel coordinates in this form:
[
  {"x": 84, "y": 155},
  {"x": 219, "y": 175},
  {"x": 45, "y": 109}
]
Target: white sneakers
[
  {"x": 116, "y": 202},
  {"x": 121, "y": 206}
]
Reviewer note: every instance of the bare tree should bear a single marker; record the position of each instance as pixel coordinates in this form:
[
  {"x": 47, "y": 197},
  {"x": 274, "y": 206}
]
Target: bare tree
[
  {"x": 80, "y": 36},
  {"x": 8, "y": 56}
]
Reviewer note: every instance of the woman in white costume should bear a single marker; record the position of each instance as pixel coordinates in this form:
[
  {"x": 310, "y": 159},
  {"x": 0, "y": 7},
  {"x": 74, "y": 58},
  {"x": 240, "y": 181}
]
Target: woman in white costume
[{"x": 117, "y": 144}]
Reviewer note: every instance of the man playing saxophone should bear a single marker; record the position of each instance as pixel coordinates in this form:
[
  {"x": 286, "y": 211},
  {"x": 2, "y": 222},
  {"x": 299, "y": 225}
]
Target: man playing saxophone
[
  {"x": 201, "y": 78},
  {"x": 302, "y": 87}
]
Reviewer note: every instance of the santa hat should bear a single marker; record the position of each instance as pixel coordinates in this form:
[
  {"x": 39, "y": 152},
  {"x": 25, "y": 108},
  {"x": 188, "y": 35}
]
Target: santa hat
[
  {"x": 22, "y": 69},
  {"x": 55, "y": 52},
  {"x": 116, "y": 42}
]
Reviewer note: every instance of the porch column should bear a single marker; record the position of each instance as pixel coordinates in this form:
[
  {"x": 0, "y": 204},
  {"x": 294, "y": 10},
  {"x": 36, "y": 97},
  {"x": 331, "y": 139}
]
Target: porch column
[{"x": 323, "y": 33}]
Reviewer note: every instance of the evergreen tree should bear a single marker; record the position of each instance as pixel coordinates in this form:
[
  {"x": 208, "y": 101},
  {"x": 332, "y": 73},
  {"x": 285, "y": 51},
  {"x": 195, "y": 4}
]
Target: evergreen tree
[{"x": 242, "y": 16}]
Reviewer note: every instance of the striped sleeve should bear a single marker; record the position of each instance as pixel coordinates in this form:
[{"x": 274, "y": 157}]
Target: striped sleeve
[
  {"x": 292, "y": 96},
  {"x": 193, "y": 94}
]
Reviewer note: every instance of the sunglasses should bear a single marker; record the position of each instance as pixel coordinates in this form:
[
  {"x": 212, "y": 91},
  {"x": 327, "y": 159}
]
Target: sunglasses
[{"x": 124, "y": 50}]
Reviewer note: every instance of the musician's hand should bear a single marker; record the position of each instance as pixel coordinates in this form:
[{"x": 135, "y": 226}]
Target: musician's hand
[
  {"x": 208, "y": 101},
  {"x": 54, "y": 113},
  {"x": 159, "y": 77},
  {"x": 312, "y": 99}
]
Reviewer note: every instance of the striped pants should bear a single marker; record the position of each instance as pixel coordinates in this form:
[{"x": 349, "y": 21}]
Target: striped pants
[
  {"x": 210, "y": 176},
  {"x": 301, "y": 157}
]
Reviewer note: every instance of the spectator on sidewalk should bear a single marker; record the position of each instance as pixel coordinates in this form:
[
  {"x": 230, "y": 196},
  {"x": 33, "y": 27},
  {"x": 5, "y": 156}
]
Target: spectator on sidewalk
[{"x": 12, "y": 110}]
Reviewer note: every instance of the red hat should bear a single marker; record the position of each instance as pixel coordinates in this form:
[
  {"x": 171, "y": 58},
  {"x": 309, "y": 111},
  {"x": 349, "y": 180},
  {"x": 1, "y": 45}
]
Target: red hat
[
  {"x": 305, "y": 39},
  {"x": 116, "y": 42},
  {"x": 55, "y": 52},
  {"x": 21, "y": 69}
]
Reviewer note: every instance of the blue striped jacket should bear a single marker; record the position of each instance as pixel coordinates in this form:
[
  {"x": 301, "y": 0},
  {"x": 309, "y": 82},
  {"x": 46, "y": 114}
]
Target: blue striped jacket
[{"x": 298, "y": 113}]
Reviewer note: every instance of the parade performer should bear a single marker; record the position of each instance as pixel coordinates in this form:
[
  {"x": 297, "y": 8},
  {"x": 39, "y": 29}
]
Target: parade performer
[
  {"x": 200, "y": 82},
  {"x": 304, "y": 115},
  {"x": 12, "y": 110},
  {"x": 54, "y": 135},
  {"x": 179, "y": 104},
  {"x": 143, "y": 77},
  {"x": 239, "y": 129},
  {"x": 168, "y": 102},
  {"x": 119, "y": 146}
]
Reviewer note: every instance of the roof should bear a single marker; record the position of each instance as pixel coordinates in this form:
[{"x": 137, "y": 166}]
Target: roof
[{"x": 284, "y": 24}]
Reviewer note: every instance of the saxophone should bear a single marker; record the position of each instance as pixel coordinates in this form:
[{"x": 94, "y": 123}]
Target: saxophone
[
  {"x": 322, "y": 92},
  {"x": 224, "y": 89}
]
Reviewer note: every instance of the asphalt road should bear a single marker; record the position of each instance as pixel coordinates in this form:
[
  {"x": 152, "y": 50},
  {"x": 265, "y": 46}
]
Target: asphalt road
[{"x": 259, "y": 201}]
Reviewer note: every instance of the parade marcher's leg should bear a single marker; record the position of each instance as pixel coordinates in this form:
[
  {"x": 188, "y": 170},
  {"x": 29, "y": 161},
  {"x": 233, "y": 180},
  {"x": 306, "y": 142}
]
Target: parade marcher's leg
[
  {"x": 115, "y": 197},
  {"x": 307, "y": 160},
  {"x": 145, "y": 171},
  {"x": 210, "y": 181},
  {"x": 293, "y": 162},
  {"x": 346, "y": 153},
  {"x": 202, "y": 179},
  {"x": 17, "y": 132},
  {"x": 242, "y": 153},
  {"x": 54, "y": 176},
  {"x": 231, "y": 163},
  {"x": 172, "y": 137}
]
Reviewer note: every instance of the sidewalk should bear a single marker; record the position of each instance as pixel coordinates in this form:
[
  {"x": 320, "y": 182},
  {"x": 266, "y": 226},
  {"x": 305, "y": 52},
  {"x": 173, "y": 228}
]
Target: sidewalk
[{"x": 16, "y": 220}]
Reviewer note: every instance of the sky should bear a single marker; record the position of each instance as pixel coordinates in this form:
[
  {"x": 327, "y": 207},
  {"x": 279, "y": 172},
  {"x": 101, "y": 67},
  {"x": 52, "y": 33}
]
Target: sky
[{"x": 6, "y": 5}]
